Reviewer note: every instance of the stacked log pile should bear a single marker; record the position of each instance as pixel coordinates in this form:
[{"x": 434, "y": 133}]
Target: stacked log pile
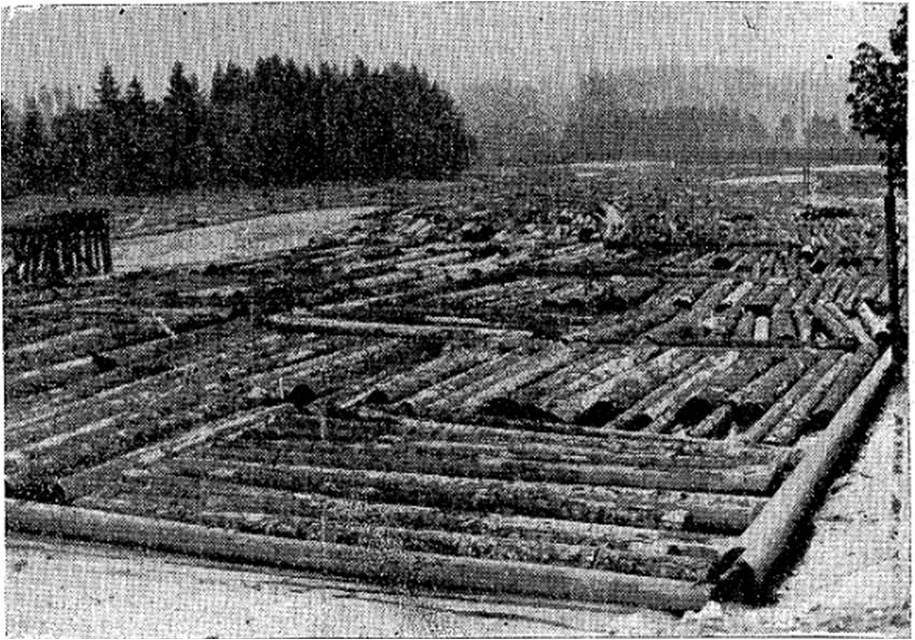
[{"x": 469, "y": 389}]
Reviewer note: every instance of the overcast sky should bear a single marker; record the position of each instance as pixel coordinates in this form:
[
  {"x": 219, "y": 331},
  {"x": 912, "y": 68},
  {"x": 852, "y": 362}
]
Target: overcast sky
[{"x": 547, "y": 43}]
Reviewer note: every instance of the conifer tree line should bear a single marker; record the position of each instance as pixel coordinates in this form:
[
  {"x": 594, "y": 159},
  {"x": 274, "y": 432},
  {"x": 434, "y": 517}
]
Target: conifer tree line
[{"x": 275, "y": 125}]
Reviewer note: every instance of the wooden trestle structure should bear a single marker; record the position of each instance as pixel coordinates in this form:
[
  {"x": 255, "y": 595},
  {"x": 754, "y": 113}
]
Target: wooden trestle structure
[{"x": 63, "y": 244}]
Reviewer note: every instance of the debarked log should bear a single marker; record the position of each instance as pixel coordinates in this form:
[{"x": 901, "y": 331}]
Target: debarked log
[
  {"x": 627, "y": 506},
  {"x": 423, "y": 570},
  {"x": 767, "y": 539}
]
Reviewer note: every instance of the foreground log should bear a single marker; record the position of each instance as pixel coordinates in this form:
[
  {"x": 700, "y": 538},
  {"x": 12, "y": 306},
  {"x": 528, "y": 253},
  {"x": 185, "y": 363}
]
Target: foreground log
[
  {"x": 491, "y": 461},
  {"x": 649, "y": 451},
  {"x": 413, "y": 569},
  {"x": 629, "y": 506},
  {"x": 228, "y": 514},
  {"x": 87, "y": 480},
  {"x": 150, "y": 490},
  {"x": 768, "y": 538}
]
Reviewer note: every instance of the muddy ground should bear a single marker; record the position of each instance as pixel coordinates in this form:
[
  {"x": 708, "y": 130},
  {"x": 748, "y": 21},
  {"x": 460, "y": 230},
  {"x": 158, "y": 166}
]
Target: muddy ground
[{"x": 854, "y": 577}]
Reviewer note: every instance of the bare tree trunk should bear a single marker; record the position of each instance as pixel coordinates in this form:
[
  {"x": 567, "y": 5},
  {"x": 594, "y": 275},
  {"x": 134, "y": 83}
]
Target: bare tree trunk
[{"x": 892, "y": 267}]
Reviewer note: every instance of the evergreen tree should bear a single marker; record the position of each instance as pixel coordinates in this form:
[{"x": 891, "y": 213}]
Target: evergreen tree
[
  {"x": 33, "y": 154},
  {"x": 183, "y": 116},
  {"x": 9, "y": 153}
]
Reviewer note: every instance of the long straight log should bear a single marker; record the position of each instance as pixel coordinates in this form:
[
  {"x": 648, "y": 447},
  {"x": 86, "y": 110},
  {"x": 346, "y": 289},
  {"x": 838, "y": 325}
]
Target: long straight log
[
  {"x": 161, "y": 488},
  {"x": 482, "y": 461},
  {"x": 792, "y": 409},
  {"x": 426, "y": 570},
  {"x": 721, "y": 385},
  {"x": 301, "y": 322},
  {"x": 629, "y": 506},
  {"x": 853, "y": 325},
  {"x": 658, "y": 451},
  {"x": 447, "y": 365},
  {"x": 663, "y": 414},
  {"x": 472, "y": 399},
  {"x": 566, "y": 402},
  {"x": 228, "y": 514},
  {"x": 843, "y": 384},
  {"x": 767, "y": 539},
  {"x": 639, "y": 416},
  {"x": 751, "y": 402},
  {"x": 420, "y": 402},
  {"x": 602, "y": 404}
]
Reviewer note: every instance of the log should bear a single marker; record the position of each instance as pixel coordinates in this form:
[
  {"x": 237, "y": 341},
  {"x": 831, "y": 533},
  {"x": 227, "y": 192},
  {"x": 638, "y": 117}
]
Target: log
[
  {"x": 714, "y": 425},
  {"x": 491, "y": 461},
  {"x": 852, "y": 325},
  {"x": 733, "y": 299},
  {"x": 722, "y": 385},
  {"x": 425, "y": 570},
  {"x": 751, "y": 402},
  {"x": 419, "y": 402},
  {"x": 770, "y": 535},
  {"x": 836, "y": 329},
  {"x": 146, "y": 489},
  {"x": 877, "y": 326},
  {"x": 567, "y": 400},
  {"x": 745, "y": 327},
  {"x": 449, "y": 364},
  {"x": 843, "y": 385},
  {"x": 302, "y": 322},
  {"x": 792, "y": 409},
  {"x": 460, "y": 544},
  {"x": 663, "y": 413},
  {"x": 601, "y": 404},
  {"x": 657, "y": 451},
  {"x": 761, "y": 329},
  {"x": 85, "y": 480},
  {"x": 625, "y": 506},
  {"x": 804, "y": 325},
  {"x": 637, "y": 417},
  {"x": 474, "y": 397}
]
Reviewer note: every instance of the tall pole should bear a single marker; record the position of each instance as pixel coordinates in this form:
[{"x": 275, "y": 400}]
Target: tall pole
[{"x": 891, "y": 259}]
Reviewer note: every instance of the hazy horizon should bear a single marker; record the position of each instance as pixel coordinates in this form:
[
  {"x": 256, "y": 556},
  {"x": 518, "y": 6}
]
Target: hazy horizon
[{"x": 549, "y": 45}]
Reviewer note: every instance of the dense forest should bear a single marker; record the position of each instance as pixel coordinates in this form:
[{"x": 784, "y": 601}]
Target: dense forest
[
  {"x": 281, "y": 125},
  {"x": 277, "y": 124}
]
